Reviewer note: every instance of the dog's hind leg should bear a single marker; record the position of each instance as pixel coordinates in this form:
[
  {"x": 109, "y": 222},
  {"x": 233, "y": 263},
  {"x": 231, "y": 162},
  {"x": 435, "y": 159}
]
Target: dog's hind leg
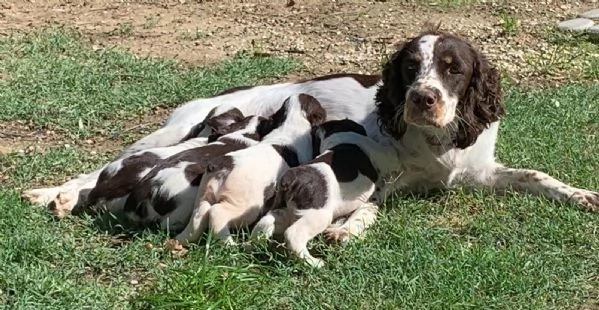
[
  {"x": 311, "y": 223},
  {"x": 224, "y": 216},
  {"x": 274, "y": 222},
  {"x": 198, "y": 223}
]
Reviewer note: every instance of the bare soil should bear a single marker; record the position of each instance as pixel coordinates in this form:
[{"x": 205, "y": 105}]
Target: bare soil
[{"x": 325, "y": 35}]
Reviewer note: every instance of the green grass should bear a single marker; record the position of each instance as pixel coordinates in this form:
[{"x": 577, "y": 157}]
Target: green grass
[
  {"x": 454, "y": 250},
  {"x": 53, "y": 79}
]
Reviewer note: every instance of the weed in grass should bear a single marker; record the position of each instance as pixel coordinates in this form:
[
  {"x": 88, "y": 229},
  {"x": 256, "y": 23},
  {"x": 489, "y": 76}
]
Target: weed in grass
[
  {"x": 151, "y": 21},
  {"x": 509, "y": 24},
  {"x": 122, "y": 30},
  {"x": 193, "y": 35}
]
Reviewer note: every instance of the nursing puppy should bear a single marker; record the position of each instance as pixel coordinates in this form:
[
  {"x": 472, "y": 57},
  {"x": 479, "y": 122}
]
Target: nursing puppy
[
  {"x": 237, "y": 186},
  {"x": 334, "y": 184},
  {"x": 119, "y": 177},
  {"x": 168, "y": 191}
]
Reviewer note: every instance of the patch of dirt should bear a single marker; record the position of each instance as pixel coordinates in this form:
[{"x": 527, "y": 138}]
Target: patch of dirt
[
  {"x": 325, "y": 35},
  {"x": 20, "y": 137}
]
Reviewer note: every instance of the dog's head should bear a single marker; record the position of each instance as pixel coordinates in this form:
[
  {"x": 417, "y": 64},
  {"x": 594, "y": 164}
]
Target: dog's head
[{"x": 439, "y": 81}]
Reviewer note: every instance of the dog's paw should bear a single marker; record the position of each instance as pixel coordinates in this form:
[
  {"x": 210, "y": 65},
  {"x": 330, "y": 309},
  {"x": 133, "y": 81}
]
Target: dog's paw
[
  {"x": 41, "y": 196},
  {"x": 175, "y": 247},
  {"x": 589, "y": 200},
  {"x": 314, "y": 262},
  {"x": 63, "y": 204},
  {"x": 336, "y": 235},
  {"x": 229, "y": 241}
]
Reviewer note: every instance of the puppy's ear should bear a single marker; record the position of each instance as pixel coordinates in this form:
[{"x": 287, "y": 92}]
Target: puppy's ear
[
  {"x": 266, "y": 125},
  {"x": 197, "y": 129},
  {"x": 218, "y": 122},
  {"x": 313, "y": 110},
  {"x": 315, "y": 133}
]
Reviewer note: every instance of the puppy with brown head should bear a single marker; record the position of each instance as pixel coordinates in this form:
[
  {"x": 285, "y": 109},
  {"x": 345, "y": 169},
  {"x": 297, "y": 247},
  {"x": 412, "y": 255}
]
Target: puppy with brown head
[{"x": 236, "y": 186}]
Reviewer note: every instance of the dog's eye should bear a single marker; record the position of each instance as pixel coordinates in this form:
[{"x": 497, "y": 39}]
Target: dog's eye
[
  {"x": 412, "y": 65},
  {"x": 454, "y": 70}
]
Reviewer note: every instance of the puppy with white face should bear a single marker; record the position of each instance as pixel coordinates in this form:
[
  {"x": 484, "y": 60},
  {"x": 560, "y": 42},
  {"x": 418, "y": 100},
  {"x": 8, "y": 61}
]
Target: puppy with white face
[
  {"x": 334, "y": 184},
  {"x": 118, "y": 178},
  {"x": 237, "y": 186}
]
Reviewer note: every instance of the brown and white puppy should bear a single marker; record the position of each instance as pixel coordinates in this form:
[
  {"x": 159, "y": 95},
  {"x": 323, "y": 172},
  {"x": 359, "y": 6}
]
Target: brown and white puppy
[
  {"x": 119, "y": 177},
  {"x": 334, "y": 184},
  {"x": 238, "y": 185},
  {"x": 167, "y": 193}
]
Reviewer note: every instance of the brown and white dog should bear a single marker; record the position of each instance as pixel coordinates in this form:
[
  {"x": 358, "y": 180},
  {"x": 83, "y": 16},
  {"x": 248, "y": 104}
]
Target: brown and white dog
[
  {"x": 341, "y": 179},
  {"x": 236, "y": 186},
  {"x": 438, "y": 104}
]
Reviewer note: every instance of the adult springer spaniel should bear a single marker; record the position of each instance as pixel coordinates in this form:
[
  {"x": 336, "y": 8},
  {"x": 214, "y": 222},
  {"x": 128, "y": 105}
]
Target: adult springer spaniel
[{"x": 437, "y": 107}]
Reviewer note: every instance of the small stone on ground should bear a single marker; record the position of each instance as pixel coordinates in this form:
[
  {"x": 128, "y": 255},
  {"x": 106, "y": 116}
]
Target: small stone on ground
[
  {"x": 592, "y": 14},
  {"x": 594, "y": 30},
  {"x": 577, "y": 24}
]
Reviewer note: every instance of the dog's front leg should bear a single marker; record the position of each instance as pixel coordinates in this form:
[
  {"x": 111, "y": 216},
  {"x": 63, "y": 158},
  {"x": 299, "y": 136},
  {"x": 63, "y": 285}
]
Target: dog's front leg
[{"x": 537, "y": 183}]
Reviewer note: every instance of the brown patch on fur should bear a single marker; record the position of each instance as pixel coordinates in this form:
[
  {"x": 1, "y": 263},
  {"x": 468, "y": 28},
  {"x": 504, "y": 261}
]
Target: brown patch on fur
[
  {"x": 326, "y": 158},
  {"x": 225, "y": 119},
  {"x": 118, "y": 185},
  {"x": 315, "y": 113},
  {"x": 193, "y": 173},
  {"x": 288, "y": 154},
  {"x": 199, "y": 127}
]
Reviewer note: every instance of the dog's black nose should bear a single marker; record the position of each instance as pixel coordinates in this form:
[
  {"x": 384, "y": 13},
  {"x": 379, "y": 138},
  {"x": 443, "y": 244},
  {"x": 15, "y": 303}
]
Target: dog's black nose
[{"x": 425, "y": 98}]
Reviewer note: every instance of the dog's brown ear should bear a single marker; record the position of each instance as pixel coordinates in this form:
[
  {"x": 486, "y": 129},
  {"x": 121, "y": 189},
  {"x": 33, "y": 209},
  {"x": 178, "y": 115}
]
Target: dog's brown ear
[
  {"x": 216, "y": 123},
  {"x": 314, "y": 111}
]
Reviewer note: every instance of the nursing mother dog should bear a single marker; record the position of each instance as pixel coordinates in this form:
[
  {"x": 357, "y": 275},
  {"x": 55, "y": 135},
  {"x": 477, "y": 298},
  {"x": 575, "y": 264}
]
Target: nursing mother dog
[{"x": 437, "y": 105}]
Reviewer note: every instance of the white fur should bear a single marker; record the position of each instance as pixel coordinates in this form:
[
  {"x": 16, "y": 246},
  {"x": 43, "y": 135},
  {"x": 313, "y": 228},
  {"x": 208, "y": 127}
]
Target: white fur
[
  {"x": 237, "y": 199},
  {"x": 428, "y": 77}
]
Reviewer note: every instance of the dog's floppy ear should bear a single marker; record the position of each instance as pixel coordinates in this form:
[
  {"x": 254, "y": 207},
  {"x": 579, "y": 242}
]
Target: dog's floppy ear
[
  {"x": 216, "y": 123},
  {"x": 390, "y": 97},
  {"x": 199, "y": 127},
  {"x": 482, "y": 104},
  {"x": 265, "y": 126},
  {"x": 314, "y": 111}
]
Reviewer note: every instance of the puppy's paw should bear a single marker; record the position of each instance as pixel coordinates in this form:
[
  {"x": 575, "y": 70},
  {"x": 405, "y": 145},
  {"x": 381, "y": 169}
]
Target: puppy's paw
[
  {"x": 175, "y": 247},
  {"x": 314, "y": 262},
  {"x": 336, "y": 235}
]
